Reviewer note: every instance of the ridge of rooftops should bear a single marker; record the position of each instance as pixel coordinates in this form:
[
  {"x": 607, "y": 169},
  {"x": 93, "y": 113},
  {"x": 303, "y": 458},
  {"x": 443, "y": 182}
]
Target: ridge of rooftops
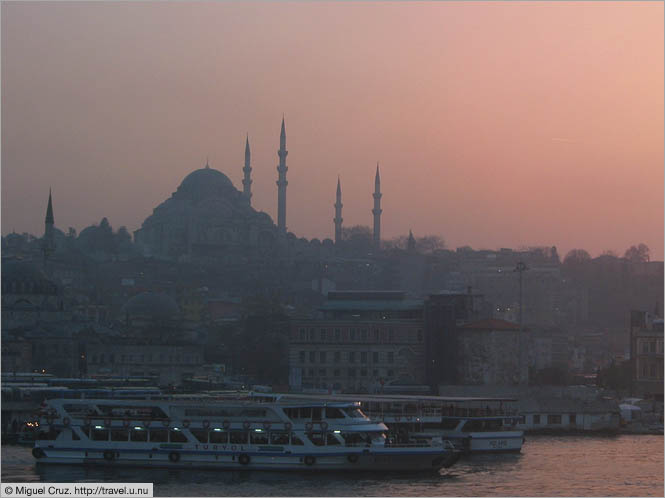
[{"x": 372, "y": 300}]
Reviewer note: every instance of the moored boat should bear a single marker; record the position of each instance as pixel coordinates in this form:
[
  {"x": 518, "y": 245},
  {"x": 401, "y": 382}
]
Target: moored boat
[{"x": 228, "y": 434}]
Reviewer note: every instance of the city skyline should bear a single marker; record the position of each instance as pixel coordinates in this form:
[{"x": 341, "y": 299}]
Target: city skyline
[{"x": 113, "y": 119}]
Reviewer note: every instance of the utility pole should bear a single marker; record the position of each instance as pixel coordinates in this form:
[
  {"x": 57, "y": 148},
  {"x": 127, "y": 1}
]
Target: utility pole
[{"x": 521, "y": 268}]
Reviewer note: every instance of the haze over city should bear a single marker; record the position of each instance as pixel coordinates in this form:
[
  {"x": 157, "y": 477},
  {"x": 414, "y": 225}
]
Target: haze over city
[{"x": 495, "y": 125}]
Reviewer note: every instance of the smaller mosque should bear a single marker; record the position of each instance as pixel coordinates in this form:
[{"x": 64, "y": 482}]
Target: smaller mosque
[{"x": 207, "y": 218}]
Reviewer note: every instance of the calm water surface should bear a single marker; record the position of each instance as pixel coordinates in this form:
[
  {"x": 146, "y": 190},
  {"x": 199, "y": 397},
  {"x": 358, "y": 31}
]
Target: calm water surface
[{"x": 548, "y": 466}]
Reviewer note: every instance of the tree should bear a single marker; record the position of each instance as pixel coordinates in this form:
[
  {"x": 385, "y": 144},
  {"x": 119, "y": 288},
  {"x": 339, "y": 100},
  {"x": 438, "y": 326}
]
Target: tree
[
  {"x": 576, "y": 257},
  {"x": 430, "y": 243},
  {"x": 637, "y": 254}
]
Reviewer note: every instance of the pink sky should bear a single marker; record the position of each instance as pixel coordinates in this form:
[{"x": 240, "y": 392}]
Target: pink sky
[{"x": 496, "y": 125}]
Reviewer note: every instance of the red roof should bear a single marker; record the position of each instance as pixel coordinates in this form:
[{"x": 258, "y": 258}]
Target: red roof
[{"x": 492, "y": 324}]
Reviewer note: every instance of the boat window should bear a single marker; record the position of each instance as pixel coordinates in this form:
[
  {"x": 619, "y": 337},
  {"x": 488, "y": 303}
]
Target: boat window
[
  {"x": 317, "y": 438},
  {"x": 331, "y": 439},
  {"x": 472, "y": 426},
  {"x": 292, "y": 413},
  {"x": 353, "y": 438},
  {"x": 219, "y": 437},
  {"x": 354, "y": 412},
  {"x": 177, "y": 436},
  {"x": 238, "y": 437},
  {"x": 449, "y": 423},
  {"x": 316, "y": 413},
  {"x": 295, "y": 440},
  {"x": 279, "y": 437},
  {"x": 334, "y": 412},
  {"x": 258, "y": 437},
  {"x": 200, "y": 434},
  {"x": 493, "y": 424},
  {"x": 99, "y": 435},
  {"x": 159, "y": 435},
  {"x": 305, "y": 413},
  {"x": 119, "y": 435},
  {"x": 138, "y": 435},
  {"x": 50, "y": 435}
]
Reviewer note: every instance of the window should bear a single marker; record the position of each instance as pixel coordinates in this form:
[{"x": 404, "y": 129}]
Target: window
[
  {"x": 322, "y": 356},
  {"x": 295, "y": 440},
  {"x": 352, "y": 334},
  {"x": 375, "y": 373},
  {"x": 200, "y": 434},
  {"x": 303, "y": 335},
  {"x": 572, "y": 419},
  {"x": 391, "y": 373},
  {"x": 312, "y": 356},
  {"x": 352, "y": 372},
  {"x": 317, "y": 411},
  {"x": 238, "y": 437},
  {"x": 310, "y": 372},
  {"x": 363, "y": 357},
  {"x": 337, "y": 356},
  {"x": 364, "y": 334},
  {"x": 645, "y": 347},
  {"x": 420, "y": 335},
  {"x": 177, "y": 436},
  {"x": 332, "y": 412},
  {"x": 159, "y": 436},
  {"x": 652, "y": 347},
  {"x": 317, "y": 438},
  {"x": 652, "y": 370},
  {"x": 391, "y": 335},
  {"x": 138, "y": 435},
  {"x": 338, "y": 334},
  {"x": 279, "y": 437},
  {"x": 258, "y": 437},
  {"x": 375, "y": 357},
  {"x": 323, "y": 334},
  {"x": 302, "y": 357},
  {"x": 352, "y": 357},
  {"x": 363, "y": 372},
  {"x": 311, "y": 334},
  {"x": 331, "y": 440},
  {"x": 554, "y": 419},
  {"x": 376, "y": 335},
  {"x": 336, "y": 372},
  {"x": 391, "y": 357},
  {"x": 536, "y": 419},
  {"x": 119, "y": 435},
  {"x": 99, "y": 435},
  {"x": 322, "y": 372}
]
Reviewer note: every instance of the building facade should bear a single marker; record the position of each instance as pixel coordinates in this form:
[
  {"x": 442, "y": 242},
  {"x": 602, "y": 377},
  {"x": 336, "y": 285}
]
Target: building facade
[{"x": 360, "y": 341}]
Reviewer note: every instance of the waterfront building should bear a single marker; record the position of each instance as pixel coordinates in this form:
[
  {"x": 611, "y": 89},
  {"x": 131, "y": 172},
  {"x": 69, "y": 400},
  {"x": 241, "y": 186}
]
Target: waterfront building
[
  {"x": 646, "y": 338},
  {"x": 359, "y": 341}
]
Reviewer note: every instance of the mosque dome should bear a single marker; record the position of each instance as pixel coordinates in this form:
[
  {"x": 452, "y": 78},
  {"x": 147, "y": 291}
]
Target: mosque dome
[
  {"x": 151, "y": 306},
  {"x": 204, "y": 183},
  {"x": 25, "y": 277}
]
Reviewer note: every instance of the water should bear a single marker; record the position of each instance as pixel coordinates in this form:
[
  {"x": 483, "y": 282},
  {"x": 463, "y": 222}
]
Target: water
[{"x": 624, "y": 465}]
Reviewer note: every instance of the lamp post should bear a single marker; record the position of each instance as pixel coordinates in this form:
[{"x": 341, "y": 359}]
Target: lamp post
[{"x": 521, "y": 268}]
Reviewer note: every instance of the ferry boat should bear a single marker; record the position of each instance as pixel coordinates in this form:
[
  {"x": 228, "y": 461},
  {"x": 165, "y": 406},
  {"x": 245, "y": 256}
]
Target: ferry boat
[
  {"x": 240, "y": 434},
  {"x": 473, "y": 425}
]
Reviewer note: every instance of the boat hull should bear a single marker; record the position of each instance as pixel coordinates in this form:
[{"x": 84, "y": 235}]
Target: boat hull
[{"x": 252, "y": 460}]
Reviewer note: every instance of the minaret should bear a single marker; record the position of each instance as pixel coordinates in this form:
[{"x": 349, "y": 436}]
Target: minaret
[
  {"x": 411, "y": 244},
  {"x": 281, "y": 182},
  {"x": 338, "y": 214},
  {"x": 247, "y": 182},
  {"x": 377, "y": 210},
  {"x": 49, "y": 241}
]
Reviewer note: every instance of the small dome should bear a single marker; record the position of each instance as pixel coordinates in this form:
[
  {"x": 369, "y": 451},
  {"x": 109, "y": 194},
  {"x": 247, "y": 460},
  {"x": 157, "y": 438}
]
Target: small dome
[
  {"x": 151, "y": 305},
  {"x": 25, "y": 276},
  {"x": 203, "y": 183}
]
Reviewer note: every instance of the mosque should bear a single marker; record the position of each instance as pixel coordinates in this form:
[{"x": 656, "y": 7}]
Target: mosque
[{"x": 207, "y": 218}]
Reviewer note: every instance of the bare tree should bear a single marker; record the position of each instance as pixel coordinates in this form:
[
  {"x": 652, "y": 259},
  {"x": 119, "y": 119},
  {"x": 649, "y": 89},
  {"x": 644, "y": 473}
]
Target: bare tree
[{"x": 638, "y": 253}]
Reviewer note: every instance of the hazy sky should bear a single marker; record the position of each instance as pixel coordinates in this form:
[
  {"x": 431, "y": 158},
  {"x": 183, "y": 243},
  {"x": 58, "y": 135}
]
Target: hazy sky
[{"x": 496, "y": 125}]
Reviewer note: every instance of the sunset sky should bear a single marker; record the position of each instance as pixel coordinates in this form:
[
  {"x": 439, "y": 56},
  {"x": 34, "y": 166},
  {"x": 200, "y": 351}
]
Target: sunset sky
[{"x": 495, "y": 124}]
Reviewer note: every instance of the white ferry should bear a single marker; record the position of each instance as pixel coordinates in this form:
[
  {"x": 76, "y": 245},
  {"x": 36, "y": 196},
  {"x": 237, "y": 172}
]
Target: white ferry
[
  {"x": 228, "y": 434},
  {"x": 473, "y": 425}
]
